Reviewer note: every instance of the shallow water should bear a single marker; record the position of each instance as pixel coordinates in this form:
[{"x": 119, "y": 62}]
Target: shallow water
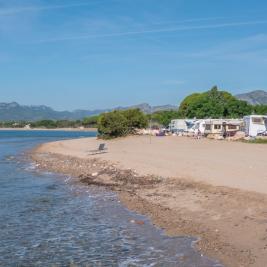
[{"x": 49, "y": 220}]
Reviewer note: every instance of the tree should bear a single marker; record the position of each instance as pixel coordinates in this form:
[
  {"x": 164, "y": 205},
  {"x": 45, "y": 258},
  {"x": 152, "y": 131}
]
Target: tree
[
  {"x": 90, "y": 121},
  {"x": 49, "y": 124},
  {"x": 260, "y": 109},
  {"x": 213, "y": 104},
  {"x": 120, "y": 123},
  {"x": 164, "y": 117},
  {"x": 112, "y": 124},
  {"x": 136, "y": 119}
]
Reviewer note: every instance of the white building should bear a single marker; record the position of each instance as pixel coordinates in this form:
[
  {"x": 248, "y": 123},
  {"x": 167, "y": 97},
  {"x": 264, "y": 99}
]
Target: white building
[{"x": 255, "y": 125}]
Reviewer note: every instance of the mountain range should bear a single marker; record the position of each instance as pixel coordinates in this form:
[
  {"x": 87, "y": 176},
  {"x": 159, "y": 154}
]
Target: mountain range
[
  {"x": 16, "y": 112},
  {"x": 258, "y": 97}
]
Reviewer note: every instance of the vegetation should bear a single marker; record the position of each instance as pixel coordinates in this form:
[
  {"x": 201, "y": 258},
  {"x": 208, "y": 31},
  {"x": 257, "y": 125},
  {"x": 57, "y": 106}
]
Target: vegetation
[
  {"x": 214, "y": 104},
  {"x": 260, "y": 109},
  {"x": 89, "y": 122},
  {"x": 13, "y": 124},
  {"x": 164, "y": 117},
  {"x": 121, "y": 123},
  {"x": 256, "y": 141},
  {"x": 211, "y": 104}
]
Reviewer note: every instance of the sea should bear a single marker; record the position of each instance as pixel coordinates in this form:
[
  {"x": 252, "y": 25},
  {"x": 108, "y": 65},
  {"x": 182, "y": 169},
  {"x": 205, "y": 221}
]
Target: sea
[{"x": 48, "y": 219}]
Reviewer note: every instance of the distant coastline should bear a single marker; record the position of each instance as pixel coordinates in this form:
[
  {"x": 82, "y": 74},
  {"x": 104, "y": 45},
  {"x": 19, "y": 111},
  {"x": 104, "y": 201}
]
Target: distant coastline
[{"x": 47, "y": 129}]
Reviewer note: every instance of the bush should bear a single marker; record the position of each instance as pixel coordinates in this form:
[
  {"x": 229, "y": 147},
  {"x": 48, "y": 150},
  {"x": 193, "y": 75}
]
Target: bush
[
  {"x": 120, "y": 123},
  {"x": 112, "y": 124},
  {"x": 135, "y": 119},
  {"x": 90, "y": 121}
]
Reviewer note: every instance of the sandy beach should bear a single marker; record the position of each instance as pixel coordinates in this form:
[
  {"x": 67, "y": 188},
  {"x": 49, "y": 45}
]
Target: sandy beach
[{"x": 215, "y": 190}]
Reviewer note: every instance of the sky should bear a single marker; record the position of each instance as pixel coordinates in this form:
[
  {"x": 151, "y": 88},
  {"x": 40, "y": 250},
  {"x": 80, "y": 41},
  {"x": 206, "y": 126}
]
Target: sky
[{"x": 89, "y": 54}]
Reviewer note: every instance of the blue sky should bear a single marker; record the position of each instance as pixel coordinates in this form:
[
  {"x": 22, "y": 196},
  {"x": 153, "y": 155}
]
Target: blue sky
[{"x": 87, "y": 54}]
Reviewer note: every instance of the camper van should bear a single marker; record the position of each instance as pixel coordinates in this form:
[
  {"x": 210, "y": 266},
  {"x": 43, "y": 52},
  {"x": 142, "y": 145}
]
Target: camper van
[
  {"x": 255, "y": 125},
  {"x": 221, "y": 127},
  {"x": 199, "y": 127},
  {"x": 181, "y": 125}
]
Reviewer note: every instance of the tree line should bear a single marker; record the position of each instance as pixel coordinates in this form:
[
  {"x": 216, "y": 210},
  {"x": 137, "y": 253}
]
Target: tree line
[
  {"x": 90, "y": 122},
  {"x": 210, "y": 104}
]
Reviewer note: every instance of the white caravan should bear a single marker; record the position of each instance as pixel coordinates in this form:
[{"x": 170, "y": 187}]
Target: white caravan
[
  {"x": 181, "y": 125},
  {"x": 199, "y": 127},
  {"x": 255, "y": 125}
]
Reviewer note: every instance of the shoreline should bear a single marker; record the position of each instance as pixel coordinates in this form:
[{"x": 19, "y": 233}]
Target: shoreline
[{"x": 231, "y": 223}]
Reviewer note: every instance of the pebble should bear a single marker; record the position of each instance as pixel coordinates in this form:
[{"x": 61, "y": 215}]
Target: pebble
[
  {"x": 94, "y": 174},
  {"x": 137, "y": 222}
]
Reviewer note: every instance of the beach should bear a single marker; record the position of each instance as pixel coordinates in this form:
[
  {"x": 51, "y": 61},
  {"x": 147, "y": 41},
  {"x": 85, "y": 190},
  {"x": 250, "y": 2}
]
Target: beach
[{"x": 214, "y": 190}]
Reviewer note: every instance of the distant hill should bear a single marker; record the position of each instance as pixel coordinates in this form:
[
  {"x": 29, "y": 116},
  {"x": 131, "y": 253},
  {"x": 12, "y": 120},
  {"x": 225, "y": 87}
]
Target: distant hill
[
  {"x": 146, "y": 108},
  {"x": 258, "y": 97},
  {"x": 16, "y": 112}
]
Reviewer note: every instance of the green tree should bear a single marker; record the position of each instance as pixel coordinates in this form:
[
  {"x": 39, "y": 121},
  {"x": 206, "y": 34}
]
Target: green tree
[
  {"x": 120, "y": 123},
  {"x": 260, "y": 109},
  {"x": 44, "y": 123},
  {"x": 164, "y": 117},
  {"x": 213, "y": 104},
  {"x": 136, "y": 119},
  {"x": 112, "y": 124},
  {"x": 90, "y": 121}
]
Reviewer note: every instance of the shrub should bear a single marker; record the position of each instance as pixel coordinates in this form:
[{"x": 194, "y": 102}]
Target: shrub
[
  {"x": 135, "y": 119},
  {"x": 120, "y": 123},
  {"x": 112, "y": 124}
]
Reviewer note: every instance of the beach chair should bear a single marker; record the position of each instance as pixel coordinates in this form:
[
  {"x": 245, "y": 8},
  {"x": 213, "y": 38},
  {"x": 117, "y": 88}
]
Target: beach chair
[{"x": 101, "y": 149}]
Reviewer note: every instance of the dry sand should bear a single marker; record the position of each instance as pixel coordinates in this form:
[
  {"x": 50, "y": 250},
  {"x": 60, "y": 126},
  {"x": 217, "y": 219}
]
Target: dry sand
[{"x": 216, "y": 190}]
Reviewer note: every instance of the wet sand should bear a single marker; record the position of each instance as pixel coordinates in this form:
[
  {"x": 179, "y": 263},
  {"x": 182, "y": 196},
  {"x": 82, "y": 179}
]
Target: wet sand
[{"x": 215, "y": 190}]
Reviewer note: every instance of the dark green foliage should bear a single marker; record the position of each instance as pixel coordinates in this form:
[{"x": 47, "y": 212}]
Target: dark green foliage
[
  {"x": 90, "y": 122},
  {"x": 260, "y": 109},
  {"x": 164, "y": 117},
  {"x": 135, "y": 119},
  {"x": 112, "y": 124},
  {"x": 213, "y": 104},
  {"x": 120, "y": 123},
  {"x": 46, "y": 124},
  {"x": 13, "y": 124},
  {"x": 49, "y": 124}
]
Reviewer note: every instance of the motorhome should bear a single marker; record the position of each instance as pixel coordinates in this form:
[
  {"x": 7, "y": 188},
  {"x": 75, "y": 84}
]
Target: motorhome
[
  {"x": 181, "y": 125},
  {"x": 255, "y": 125},
  {"x": 199, "y": 127},
  {"x": 222, "y": 127}
]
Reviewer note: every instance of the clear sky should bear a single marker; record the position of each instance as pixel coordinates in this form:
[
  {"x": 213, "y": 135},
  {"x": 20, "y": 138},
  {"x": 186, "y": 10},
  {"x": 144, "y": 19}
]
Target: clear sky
[{"x": 71, "y": 54}]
